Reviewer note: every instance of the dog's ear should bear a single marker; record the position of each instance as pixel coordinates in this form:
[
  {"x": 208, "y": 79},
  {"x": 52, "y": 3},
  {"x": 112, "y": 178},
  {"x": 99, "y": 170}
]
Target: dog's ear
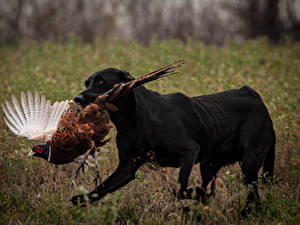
[{"x": 127, "y": 77}]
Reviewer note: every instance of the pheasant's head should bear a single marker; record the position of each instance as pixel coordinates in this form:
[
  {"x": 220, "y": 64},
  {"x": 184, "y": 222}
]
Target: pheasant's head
[{"x": 42, "y": 150}]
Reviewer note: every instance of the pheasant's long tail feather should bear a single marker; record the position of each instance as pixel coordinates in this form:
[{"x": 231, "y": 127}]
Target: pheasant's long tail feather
[
  {"x": 34, "y": 118},
  {"x": 124, "y": 88}
]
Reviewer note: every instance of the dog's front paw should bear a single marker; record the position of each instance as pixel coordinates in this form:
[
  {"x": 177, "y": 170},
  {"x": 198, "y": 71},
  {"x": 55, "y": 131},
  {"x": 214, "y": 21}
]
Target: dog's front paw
[{"x": 80, "y": 200}]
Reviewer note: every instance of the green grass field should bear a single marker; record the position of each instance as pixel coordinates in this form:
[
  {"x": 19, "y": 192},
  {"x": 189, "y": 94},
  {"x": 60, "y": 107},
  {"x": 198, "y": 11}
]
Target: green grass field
[{"x": 33, "y": 191}]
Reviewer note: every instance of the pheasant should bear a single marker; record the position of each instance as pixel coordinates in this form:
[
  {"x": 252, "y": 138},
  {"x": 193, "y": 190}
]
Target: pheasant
[{"x": 70, "y": 131}]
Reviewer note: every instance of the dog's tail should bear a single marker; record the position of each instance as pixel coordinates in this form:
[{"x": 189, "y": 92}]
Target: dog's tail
[{"x": 268, "y": 166}]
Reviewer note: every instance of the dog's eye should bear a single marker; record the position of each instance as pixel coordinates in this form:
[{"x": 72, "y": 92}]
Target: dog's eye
[{"x": 100, "y": 82}]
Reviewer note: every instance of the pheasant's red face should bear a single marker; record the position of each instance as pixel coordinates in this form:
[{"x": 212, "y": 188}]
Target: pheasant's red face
[
  {"x": 42, "y": 150},
  {"x": 38, "y": 149}
]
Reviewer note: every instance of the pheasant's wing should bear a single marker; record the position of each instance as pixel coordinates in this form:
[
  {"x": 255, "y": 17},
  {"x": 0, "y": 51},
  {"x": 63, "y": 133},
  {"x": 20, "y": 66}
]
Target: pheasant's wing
[{"x": 35, "y": 118}]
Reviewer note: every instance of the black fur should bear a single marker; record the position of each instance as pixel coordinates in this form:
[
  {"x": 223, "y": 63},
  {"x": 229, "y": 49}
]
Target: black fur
[{"x": 215, "y": 130}]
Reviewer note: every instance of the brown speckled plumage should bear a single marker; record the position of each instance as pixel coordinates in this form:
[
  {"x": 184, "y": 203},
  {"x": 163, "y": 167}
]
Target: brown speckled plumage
[{"x": 78, "y": 130}]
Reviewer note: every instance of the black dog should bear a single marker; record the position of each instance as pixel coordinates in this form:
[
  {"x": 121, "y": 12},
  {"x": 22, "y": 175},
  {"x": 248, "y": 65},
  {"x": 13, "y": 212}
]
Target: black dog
[{"x": 215, "y": 130}]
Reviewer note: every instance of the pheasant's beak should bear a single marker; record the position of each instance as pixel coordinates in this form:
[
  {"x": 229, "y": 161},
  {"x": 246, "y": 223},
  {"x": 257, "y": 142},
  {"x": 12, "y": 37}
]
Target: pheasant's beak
[{"x": 31, "y": 153}]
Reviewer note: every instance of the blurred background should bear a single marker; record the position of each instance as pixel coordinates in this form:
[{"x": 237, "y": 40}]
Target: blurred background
[{"x": 211, "y": 21}]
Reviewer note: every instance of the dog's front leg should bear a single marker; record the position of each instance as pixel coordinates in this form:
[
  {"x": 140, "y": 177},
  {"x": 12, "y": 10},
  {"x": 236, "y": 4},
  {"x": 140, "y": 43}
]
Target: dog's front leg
[
  {"x": 122, "y": 175},
  {"x": 186, "y": 164}
]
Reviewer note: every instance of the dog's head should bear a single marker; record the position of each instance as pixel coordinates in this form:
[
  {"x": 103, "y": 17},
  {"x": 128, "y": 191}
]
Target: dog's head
[{"x": 101, "y": 82}]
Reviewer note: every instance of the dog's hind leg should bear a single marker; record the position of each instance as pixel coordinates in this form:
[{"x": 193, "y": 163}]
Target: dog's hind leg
[
  {"x": 255, "y": 146},
  {"x": 268, "y": 165},
  {"x": 251, "y": 163},
  {"x": 208, "y": 173},
  {"x": 250, "y": 172},
  {"x": 187, "y": 162}
]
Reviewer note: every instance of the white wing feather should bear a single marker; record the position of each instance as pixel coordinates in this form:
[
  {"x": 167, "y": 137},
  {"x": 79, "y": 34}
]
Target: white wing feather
[
  {"x": 47, "y": 114},
  {"x": 54, "y": 115},
  {"x": 11, "y": 127},
  {"x": 43, "y": 111},
  {"x": 36, "y": 118},
  {"x": 12, "y": 124},
  {"x": 25, "y": 107},
  {"x": 16, "y": 121},
  {"x": 18, "y": 109},
  {"x": 31, "y": 108},
  {"x": 37, "y": 104}
]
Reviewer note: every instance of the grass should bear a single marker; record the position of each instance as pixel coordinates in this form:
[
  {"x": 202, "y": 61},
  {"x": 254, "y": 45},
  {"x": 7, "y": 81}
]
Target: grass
[{"x": 33, "y": 191}]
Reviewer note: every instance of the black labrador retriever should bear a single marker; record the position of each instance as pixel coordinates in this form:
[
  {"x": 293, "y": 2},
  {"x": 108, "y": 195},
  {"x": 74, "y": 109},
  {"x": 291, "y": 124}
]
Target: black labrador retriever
[{"x": 215, "y": 130}]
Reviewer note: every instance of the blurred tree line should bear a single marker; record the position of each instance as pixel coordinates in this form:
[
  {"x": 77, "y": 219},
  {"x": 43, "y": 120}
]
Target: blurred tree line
[{"x": 211, "y": 21}]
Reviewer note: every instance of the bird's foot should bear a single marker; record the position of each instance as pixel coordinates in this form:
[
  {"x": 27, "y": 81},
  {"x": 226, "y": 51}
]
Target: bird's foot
[
  {"x": 97, "y": 178},
  {"x": 81, "y": 160},
  {"x": 81, "y": 166}
]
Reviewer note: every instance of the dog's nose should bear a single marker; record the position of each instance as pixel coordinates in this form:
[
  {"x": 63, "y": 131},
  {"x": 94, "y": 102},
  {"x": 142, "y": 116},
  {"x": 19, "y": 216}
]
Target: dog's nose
[{"x": 79, "y": 99}]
